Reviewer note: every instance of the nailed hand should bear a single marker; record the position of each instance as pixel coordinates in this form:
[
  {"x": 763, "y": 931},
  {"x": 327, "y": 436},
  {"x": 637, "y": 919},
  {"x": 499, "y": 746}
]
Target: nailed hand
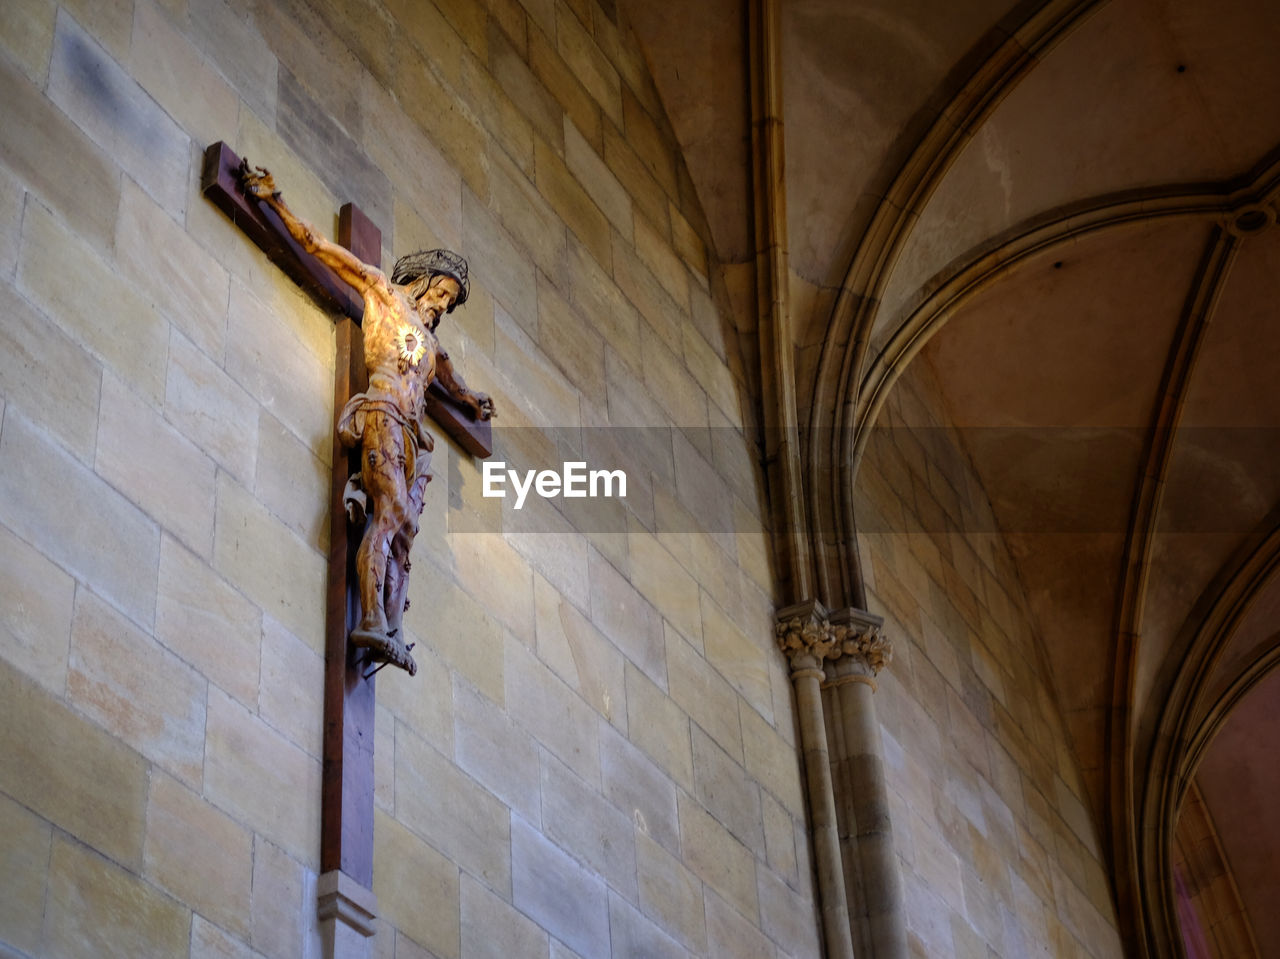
[{"x": 257, "y": 181}]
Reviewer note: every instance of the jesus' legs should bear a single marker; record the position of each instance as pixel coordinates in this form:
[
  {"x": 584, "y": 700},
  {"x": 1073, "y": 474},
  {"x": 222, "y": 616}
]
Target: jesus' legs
[{"x": 384, "y": 483}]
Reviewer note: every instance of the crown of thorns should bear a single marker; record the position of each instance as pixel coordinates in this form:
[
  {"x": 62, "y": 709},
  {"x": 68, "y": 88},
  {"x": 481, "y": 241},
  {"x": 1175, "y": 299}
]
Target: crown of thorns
[{"x": 429, "y": 263}]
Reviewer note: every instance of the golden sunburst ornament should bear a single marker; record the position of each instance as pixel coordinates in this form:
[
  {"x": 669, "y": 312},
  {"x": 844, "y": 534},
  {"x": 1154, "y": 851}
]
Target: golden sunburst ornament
[{"x": 412, "y": 344}]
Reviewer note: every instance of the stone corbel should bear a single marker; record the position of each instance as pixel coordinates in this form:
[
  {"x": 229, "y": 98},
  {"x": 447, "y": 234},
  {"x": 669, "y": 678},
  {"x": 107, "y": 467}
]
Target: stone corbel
[{"x": 346, "y": 911}]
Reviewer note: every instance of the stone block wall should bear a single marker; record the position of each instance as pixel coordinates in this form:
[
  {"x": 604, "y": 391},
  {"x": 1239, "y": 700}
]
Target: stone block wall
[
  {"x": 1000, "y": 856},
  {"x": 597, "y": 756}
]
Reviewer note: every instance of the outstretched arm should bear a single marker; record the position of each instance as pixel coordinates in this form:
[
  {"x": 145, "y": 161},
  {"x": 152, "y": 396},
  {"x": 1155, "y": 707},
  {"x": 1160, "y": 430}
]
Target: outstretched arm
[
  {"x": 351, "y": 269},
  {"x": 449, "y": 378}
]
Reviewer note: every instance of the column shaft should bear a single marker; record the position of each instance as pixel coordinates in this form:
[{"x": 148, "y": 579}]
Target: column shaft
[
  {"x": 869, "y": 803},
  {"x": 807, "y": 676}
]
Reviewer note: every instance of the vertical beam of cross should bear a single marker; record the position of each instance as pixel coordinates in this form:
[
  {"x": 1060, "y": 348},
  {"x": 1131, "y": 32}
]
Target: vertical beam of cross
[{"x": 346, "y": 814}]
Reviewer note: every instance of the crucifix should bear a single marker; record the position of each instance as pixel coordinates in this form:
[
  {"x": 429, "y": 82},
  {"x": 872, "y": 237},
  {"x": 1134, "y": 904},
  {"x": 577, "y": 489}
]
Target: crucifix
[{"x": 387, "y": 376}]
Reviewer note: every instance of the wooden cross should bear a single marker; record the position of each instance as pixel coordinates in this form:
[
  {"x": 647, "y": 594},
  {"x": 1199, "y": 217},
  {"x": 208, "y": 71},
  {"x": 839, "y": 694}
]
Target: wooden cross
[{"x": 346, "y": 824}]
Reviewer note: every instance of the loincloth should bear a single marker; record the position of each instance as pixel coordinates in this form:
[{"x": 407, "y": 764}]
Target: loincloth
[{"x": 354, "y": 419}]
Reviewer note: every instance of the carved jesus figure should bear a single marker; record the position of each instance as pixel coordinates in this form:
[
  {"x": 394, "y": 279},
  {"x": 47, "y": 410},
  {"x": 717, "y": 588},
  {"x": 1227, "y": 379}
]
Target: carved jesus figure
[{"x": 403, "y": 357}]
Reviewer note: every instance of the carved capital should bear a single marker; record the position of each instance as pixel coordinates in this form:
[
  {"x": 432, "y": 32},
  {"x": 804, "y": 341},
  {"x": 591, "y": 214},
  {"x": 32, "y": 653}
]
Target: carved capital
[
  {"x": 859, "y": 634},
  {"x": 803, "y": 632}
]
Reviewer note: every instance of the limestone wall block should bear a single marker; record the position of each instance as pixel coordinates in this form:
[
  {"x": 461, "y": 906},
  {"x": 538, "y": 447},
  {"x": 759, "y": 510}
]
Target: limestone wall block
[
  {"x": 267, "y": 562},
  {"x": 340, "y": 162},
  {"x": 254, "y": 774},
  {"x": 785, "y": 917},
  {"x": 211, "y": 409},
  {"x": 52, "y": 156},
  {"x": 493, "y": 929},
  {"x": 506, "y": 123},
  {"x": 727, "y": 792},
  {"x": 647, "y": 195},
  {"x": 500, "y": 265},
  {"x": 528, "y": 217},
  {"x": 208, "y": 623},
  {"x": 452, "y": 812},
  {"x": 69, "y": 771},
  {"x": 460, "y": 632},
  {"x": 173, "y": 71},
  {"x": 775, "y": 768},
  {"x": 107, "y": 103},
  {"x": 494, "y": 751},
  {"x": 780, "y": 830},
  {"x": 12, "y": 201},
  {"x": 239, "y": 52},
  {"x": 424, "y": 703},
  {"x": 537, "y": 391},
  {"x": 210, "y": 942},
  {"x": 671, "y": 895},
  {"x": 739, "y": 658},
  {"x": 384, "y": 760},
  {"x": 628, "y": 619},
  {"x": 198, "y": 854},
  {"x": 647, "y": 294},
  {"x": 116, "y": 323},
  {"x": 595, "y": 296},
  {"x": 282, "y": 354},
  {"x": 167, "y": 475},
  {"x": 640, "y": 790},
  {"x": 457, "y": 133},
  {"x": 553, "y": 548},
  {"x": 570, "y": 902},
  {"x": 28, "y": 841},
  {"x": 283, "y": 912},
  {"x": 573, "y": 343},
  {"x": 94, "y": 908},
  {"x": 659, "y": 727},
  {"x": 717, "y": 858},
  {"x": 587, "y": 62},
  {"x": 699, "y": 689},
  {"x": 552, "y": 712},
  {"x": 291, "y": 691},
  {"x": 573, "y": 203},
  {"x": 420, "y": 174},
  {"x": 72, "y": 516},
  {"x": 585, "y": 162},
  {"x": 136, "y": 690},
  {"x": 671, "y": 589},
  {"x": 513, "y": 73},
  {"x": 569, "y": 643},
  {"x": 417, "y": 888},
  {"x": 292, "y": 481},
  {"x": 49, "y": 376},
  {"x": 172, "y": 271},
  {"x": 27, "y": 34},
  {"x": 35, "y": 613},
  {"x": 577, "y": 818},
  {"x": 631, "y": 934}
]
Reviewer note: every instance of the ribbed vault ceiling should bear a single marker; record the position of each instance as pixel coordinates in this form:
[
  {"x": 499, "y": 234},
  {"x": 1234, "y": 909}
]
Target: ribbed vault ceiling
[{"x": 1066, "y": 209}]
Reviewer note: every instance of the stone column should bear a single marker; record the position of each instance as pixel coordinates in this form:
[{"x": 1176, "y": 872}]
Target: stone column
[
  {"x": 805, "y": 638},
  {"x": 347, "y": 910},
  {"x": 859, "y": 651}
]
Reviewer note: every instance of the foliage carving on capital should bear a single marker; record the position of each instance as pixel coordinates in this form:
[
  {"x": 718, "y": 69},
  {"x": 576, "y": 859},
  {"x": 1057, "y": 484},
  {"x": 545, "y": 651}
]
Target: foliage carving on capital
[
  {"x": 864, "y": 640},
  {"x": 805, "y": 635}
]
